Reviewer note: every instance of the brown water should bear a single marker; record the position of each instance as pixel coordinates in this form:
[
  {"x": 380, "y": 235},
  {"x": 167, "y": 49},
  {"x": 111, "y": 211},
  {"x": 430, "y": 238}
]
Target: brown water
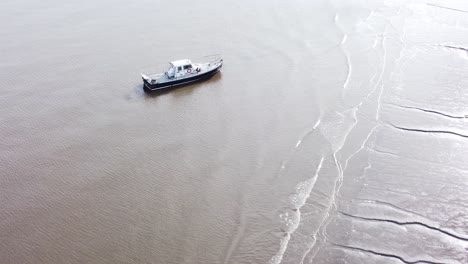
[{"x": 337, "y": 132}]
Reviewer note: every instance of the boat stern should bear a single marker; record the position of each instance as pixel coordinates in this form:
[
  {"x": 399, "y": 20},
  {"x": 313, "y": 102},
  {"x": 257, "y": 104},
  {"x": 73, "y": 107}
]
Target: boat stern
[
  {"x": 145, "y": 78},
  {"x": 147, "y": 81}
]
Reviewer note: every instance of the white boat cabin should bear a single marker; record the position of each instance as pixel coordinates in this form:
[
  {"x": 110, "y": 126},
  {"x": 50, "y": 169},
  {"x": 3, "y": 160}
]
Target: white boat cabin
[{"x": 181, "y": 68}]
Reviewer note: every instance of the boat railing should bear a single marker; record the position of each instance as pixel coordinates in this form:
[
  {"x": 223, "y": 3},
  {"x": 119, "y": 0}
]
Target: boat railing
[
  {"x": 212, "y": 58},
  {"x": 154, "y": 72}
]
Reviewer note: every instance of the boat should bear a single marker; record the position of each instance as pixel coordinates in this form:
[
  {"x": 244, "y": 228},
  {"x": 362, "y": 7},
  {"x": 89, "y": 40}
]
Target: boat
[{"x": 182, "y": 72}]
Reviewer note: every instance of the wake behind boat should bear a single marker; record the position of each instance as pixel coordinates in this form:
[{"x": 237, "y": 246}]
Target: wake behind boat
[{"x": 182, "y": 72}]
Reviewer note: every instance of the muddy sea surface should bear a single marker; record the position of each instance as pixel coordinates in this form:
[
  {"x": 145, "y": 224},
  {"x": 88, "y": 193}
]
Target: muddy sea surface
[{"x": 337, "y": 132}]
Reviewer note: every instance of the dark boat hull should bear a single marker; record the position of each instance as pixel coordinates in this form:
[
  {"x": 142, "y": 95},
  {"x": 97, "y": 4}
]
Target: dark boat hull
[{"x": 185, "y": 81}]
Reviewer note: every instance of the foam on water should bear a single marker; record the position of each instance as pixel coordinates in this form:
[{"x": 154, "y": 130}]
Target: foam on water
[{"x": 292, "y": 217}]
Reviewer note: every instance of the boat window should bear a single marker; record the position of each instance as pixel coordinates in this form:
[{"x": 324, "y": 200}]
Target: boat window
[
  {"x": 170, "y": 73},
  {"x": 187, "y": 67},
  {"x": 179, "y": 68}
]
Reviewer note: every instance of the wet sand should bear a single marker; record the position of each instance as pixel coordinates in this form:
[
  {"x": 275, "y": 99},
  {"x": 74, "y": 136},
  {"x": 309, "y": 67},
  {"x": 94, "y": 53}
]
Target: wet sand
[{"x": 335, "y": 133}]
